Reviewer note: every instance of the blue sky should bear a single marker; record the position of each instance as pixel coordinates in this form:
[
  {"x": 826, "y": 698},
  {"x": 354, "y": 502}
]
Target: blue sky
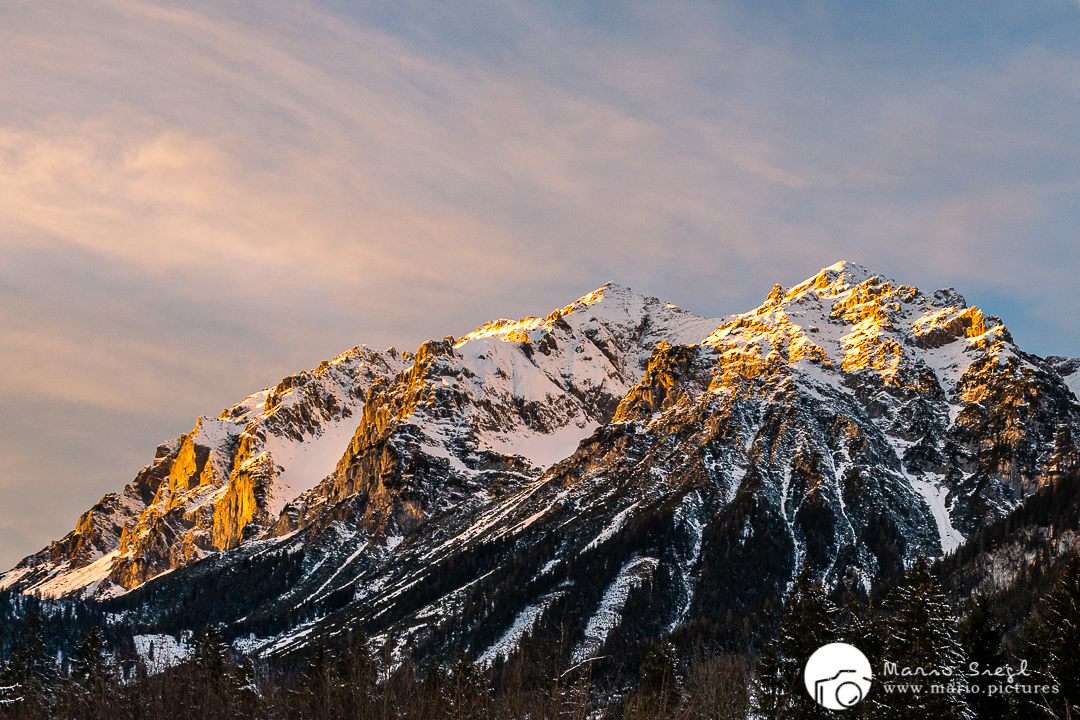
[{"x": 197, "y": 199}]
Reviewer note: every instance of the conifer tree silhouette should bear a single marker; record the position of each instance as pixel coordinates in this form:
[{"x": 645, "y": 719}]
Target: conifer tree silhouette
[
  {"x": 981, "y": 637},
  {"x": 659, "y": 685},
  {"x": 921, "y": 632},
  {"x": 92, "y": 677},
  {"x": 1052, "y": 646},
  {"x": 29, "y": 676},
  {"x": 807, "y": 622}
]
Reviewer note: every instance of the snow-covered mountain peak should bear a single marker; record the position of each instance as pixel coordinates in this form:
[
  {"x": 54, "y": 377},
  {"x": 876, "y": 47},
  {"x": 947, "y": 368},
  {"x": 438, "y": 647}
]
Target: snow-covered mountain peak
[
  {"x": 513, "y": 330},
  {"x": 611, "y": 305},
  {"x": 840, "y": 401},
  {"x": 613, "y": 291},
  {"x": 848, "y": 318},
  {"x": 852, "y": 390},
  {"x": 211, "y": 488},
  {"x": 839, "y": 276},
  {"x": 520, "y": 393}
]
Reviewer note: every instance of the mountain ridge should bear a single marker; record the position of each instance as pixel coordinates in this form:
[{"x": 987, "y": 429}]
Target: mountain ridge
[
  {"x": 227, "y": 477},
  {"x": 849, "y": 423}
]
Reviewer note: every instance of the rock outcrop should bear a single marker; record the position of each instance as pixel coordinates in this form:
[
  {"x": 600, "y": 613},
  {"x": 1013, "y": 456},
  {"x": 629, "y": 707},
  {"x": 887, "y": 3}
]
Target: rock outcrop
[
  {"x": 619, "y": 468},
  {"x": 209, "y": 490}
]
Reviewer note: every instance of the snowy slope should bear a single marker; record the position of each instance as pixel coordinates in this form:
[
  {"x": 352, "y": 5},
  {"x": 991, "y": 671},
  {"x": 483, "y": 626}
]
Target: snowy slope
[
  {"x": 841, "y": 424},
  {"x": 492, "y": 409},
  {"x": 1069, "y": 369},
  {"x": 598, "y": 345},
  {"x": 611, "y": 471},
  {"x": 226, "y": 480}
]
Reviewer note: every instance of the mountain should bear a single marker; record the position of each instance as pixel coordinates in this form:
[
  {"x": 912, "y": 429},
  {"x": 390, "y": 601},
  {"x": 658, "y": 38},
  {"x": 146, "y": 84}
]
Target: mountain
[
  {"x": 506, "y": 400},
  {"x": 210, "y": 489},
  {"x": 618, "y": 469}
]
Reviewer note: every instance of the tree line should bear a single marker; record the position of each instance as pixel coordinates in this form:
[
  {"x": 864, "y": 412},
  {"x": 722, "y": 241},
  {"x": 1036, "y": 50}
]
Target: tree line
[
  {"x": 354, "y": 682},
  {"x": 927, "y": 661},
  {"x": 910, "y": 626},
  {"x": 721, "y": 664}
]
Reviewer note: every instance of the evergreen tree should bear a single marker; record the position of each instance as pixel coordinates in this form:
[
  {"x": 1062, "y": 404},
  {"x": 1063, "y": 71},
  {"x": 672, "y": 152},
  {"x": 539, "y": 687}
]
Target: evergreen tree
[
  {"x": 468, "y": 696},
  {"x": 214, "y": 676},
  {"x": 211, "y": 654},
  {"x": 981, "y": 637},
  {"x": 11, "y": 692},
  {"x": 30, "y": 673},
  {"x": 244, "y": 690},
  {"x": 659, "y": 685},
  {"x": 357, "y": 672},
  {"x": 357, "y": 662},
  {"x": 317, "y": 688},
  {"x": 808, "y": 621},
  {"x": 431, "y": 700},
  {"x": 863, "y": 628},
  {"x": 139, "y": 693},
  {"x": 92, "y": 677},
  {"x": 1052, "y": 645},
  {"x": 771, "y": 686},
  {"x": 921, "y": 633}
]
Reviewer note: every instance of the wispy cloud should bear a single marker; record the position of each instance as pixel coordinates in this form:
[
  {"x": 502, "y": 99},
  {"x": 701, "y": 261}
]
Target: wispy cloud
[{"x": 196, "y": 199}]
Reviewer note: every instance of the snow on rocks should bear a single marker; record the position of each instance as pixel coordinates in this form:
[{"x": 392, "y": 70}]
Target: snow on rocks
[
  {"x": 934, "y": 495},
  {"x": 523, "y": 623},
  {"x": 690, "y": 518},
  {"x": 608, "y": 616},
  {"x": 611, "y": 529},
  {"x": 161, "y": 652}
]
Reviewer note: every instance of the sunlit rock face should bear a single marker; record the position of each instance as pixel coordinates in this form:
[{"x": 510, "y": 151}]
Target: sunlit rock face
[
  {"x": 209, "y": 490},
  {"x": 620, "y": 464},
  {"x": 954, "y": 401},
  {"x": 869, "y": 421},
  {"x": 491, "y": 410}
]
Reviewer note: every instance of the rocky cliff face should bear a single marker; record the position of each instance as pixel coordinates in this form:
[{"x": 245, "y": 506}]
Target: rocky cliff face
[
  {"x": 209, "y": 490},
  {"x": 498, "y": 405},
  {"x": 494, "y": 408},
  {"x": 620, "y": 467}
]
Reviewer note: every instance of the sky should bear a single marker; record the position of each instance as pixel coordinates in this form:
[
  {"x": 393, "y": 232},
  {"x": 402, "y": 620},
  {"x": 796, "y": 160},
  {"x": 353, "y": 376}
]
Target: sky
[{"x": 200, "y": 198}]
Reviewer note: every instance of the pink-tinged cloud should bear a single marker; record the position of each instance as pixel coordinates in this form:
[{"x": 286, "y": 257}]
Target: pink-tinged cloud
[{"x": 197, "y": 199}]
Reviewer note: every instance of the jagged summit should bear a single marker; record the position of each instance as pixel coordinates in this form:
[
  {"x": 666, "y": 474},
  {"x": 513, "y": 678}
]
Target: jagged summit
[
  {"x": 846, "y": 317},
  {"x": 610, "y": 303},
  {"x": 840, "y": 276},
  {"x": 516, "y": 396},
  {"x": 620, "y": 465},
  {"x": 446, "y": 417},
  {"x": 843, "y": 276}
]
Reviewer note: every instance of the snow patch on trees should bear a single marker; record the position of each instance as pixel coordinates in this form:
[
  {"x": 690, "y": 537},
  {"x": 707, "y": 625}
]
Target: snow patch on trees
[
  {"x": 161, "y": 652},
  {"x": 934, "y": 495},
  {"x": 609, "y": 614},
  {"x": 524, "y": 622}
]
